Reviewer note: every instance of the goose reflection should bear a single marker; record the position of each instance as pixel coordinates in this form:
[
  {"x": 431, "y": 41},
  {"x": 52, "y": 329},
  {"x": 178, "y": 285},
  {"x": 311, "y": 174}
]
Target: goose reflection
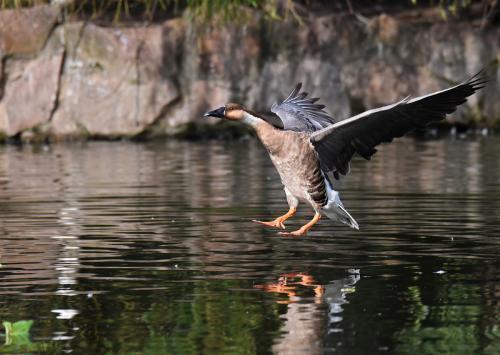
[
  {"x": 289, "y": 285},
  {"x": 310, "y": 305}
]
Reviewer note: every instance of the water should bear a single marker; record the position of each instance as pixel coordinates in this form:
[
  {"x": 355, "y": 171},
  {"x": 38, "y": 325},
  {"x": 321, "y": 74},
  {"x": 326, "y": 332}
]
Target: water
[{"x": 149, "y": 248}]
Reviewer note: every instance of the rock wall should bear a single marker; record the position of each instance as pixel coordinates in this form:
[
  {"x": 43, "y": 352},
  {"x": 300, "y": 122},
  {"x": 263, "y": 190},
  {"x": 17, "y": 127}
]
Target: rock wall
[{"x": 73, "y": 79}]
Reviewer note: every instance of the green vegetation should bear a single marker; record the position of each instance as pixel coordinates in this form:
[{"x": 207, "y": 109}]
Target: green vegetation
[
  {"x": 149, "y": 9},
  {"x": 18, "y": 332},
  {"x": 447, "y": 7},
  {"x": 17, "y": 339},
  {"x": 227, "y": 10}
]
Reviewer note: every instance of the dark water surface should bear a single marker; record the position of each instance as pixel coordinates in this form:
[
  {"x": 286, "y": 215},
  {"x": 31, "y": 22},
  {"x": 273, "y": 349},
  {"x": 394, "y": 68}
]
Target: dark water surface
[{"x": 149, "y": 248}]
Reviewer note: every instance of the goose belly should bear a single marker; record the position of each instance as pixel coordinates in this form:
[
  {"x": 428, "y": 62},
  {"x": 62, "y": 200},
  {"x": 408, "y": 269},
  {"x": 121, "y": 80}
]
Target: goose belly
[{"x": 304, "y": 180}]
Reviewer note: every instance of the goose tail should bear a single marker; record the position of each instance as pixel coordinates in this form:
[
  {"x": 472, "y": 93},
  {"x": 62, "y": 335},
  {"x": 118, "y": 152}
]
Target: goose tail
[{"x": 336, "y": 211}]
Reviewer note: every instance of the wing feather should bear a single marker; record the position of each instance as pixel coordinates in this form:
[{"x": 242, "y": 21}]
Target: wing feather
[
  {"x": 302, "y": 114},
  {"x": 337, "y": 143}
]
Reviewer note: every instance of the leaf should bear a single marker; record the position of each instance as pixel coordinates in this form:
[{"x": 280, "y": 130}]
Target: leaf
[
  {"x": 20, "y": 327},
  {"x": 18, "y": 332}
]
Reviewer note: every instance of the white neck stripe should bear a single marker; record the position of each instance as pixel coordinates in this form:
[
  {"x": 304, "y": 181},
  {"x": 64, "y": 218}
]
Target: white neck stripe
[{"x": 250, "y": 119}]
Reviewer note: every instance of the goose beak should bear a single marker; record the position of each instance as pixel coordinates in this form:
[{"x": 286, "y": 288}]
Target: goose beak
[{"x": 215, "y": 113}]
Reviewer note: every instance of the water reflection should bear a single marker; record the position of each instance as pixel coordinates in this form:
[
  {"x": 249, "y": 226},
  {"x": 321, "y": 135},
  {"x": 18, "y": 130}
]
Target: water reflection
[
  {"x": 307, "y": 316},
  {"x": 123, "y": 247},
  {"x": 288, "y": 284}
]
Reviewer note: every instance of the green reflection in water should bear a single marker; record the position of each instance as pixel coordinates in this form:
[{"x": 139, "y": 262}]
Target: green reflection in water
[
  {"x": 210, "y": 316},
  {"x": 453, "y": 327},
  {"x": 214, "y": 321},
  {"x": 439, "y": 340}
]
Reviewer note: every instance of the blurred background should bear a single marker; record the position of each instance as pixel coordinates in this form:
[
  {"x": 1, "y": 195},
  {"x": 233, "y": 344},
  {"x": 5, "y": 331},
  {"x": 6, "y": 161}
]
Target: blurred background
[
  {"x": 148, "y": 68},
  {"x": 129, "y": 235}
]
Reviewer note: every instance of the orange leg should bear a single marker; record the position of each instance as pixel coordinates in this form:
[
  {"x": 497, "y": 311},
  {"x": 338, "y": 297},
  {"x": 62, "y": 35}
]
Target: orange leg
[
  {"x": 278, "y": 222},
  {"x": 303, "y": 230}
]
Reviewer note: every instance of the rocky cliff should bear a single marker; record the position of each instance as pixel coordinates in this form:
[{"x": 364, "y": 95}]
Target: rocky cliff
[{"x": 77, "y": 79}]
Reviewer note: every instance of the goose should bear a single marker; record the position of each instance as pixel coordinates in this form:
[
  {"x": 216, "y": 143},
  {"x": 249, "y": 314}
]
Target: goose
[{"x": 306, "y": 144}]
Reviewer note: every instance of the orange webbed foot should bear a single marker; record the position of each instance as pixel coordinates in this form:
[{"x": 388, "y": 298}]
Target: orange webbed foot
[
  {"x": 277, "y": 223},
  {"x": 305, "y": 228},
  {"x": 297, "y": 233}
]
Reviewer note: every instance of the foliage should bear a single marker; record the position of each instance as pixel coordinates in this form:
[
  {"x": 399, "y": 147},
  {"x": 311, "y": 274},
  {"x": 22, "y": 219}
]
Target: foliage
[
  {"x": 223, "y": 10},
  {"x": 199, "y": 9},
  {"x": 450, "y": 6},
  {"x": 18, "y": 332},
  {"x": 17, "y": 339}
]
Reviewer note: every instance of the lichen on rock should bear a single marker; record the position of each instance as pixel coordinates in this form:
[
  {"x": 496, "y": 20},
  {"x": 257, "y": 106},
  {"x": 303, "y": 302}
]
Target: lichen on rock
[{"x": 112, "y": 83}]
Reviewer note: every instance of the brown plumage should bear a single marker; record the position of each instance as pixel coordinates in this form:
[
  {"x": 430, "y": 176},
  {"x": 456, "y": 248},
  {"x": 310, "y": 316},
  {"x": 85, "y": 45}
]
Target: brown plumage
[
  {"x": 297, "y": 163},
  {"x": 305, "y": 143}
]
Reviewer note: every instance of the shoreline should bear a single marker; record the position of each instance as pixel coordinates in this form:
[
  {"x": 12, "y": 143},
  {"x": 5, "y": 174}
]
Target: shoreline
[{"x": 75, "y": 79}]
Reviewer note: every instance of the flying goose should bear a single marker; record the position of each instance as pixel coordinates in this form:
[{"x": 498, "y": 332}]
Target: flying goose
[{"x": 305, "y": 143}]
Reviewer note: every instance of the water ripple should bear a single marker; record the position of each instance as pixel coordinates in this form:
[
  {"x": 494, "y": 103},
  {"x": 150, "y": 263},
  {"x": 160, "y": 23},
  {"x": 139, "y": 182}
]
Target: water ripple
[{"x": 104, "y": 244}]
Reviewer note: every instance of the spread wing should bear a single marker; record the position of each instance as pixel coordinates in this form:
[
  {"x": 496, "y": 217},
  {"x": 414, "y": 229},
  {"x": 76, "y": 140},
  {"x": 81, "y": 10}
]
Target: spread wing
[
  {"x": 301, "y": 114},
  {"x": 360, "y": 134}
]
